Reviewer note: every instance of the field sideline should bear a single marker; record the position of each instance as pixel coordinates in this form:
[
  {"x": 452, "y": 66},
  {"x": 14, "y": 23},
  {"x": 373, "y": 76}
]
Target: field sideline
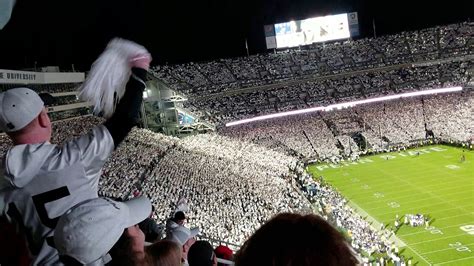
[{"x": 435, "y": 183}]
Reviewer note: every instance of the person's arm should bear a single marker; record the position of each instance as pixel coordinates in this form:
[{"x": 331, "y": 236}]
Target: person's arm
[{"x": 127, "y": 113}]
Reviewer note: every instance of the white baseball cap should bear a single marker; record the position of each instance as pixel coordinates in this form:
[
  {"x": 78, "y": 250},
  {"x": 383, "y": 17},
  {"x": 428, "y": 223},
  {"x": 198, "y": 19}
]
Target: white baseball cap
[
  {"x": 182, "y": 234},
  {"x": 89, "y": 230},
  {"x": 18, "y": 107}
]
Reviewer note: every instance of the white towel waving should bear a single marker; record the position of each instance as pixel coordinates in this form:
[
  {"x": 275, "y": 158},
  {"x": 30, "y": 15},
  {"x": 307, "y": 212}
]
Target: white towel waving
[{"x": 106, "y": 81}]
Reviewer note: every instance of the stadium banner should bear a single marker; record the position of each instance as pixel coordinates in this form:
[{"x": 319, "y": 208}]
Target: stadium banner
[
  {"x": 11, "y": 76},
  {"x": 29, "y": 77},
  {"x": 311, "y": 30}
]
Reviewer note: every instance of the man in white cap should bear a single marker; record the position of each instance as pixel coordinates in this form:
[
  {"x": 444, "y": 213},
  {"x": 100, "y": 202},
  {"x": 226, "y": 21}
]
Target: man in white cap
[
  {"x": 178, "y": 216},
  {"x": 185, "y": 237},
  {"x": 85, "y": 234},
  {"x": 40, "y": 181}
]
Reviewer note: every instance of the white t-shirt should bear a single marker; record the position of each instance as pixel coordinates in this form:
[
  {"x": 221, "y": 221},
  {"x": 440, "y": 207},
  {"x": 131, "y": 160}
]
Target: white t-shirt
[{"x": 40, "y": 182}]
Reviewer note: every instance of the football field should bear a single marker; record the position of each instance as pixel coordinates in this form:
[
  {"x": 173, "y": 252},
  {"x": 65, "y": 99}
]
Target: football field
[{"x": 434, "y": 183}]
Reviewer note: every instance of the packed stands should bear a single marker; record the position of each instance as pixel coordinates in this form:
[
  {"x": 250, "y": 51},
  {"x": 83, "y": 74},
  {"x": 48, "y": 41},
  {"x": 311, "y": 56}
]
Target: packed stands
[
  {"x": 237, "y": 179},
  {"x": 205, "y": 78}
]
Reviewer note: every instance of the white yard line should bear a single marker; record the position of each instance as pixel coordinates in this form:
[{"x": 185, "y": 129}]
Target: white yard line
[
  {"x": 421, "y": 256},
  {"x": 405, "y": 194},
  {"x": 408, "y": 195},
  {"x": 431, "y": 240},
  {"x": 425, "y": 231},
  {"x": 411, "y": 184},
  {"x": 422, "y": 190},
  {"x": 450, "y": 248},
  {"x": 449, "y": 217},
  {"x": 394, "y": 212},
  {"x": 397, "y": 240},
  {"x": 436, "y": 211},
  {"x": 424, "y": 205},
  {"x": 454, "y": 260},
  {"x": 388, "y": 181},
  {"x": 376, "y": 223},
  {"x": 417, "y": 208},
  {"x": 424, "y": 199},
  {"x": 410, "y": 188}
]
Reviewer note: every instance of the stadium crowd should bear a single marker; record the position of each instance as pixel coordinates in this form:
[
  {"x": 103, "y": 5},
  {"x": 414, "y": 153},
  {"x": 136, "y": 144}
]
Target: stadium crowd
[
  {"x": 237, "y": 88},
  {"x": 326, "y": 135},
  {"x": 239, "y": 179},
  {"x": 280, "y": 98},
  {"x": 203, "y": 78},
  {"x": 234, "y": 186}
]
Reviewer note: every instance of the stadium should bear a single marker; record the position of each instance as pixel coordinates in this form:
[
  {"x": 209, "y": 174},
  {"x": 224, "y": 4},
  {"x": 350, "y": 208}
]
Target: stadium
[{"x": 374, "y": 135}]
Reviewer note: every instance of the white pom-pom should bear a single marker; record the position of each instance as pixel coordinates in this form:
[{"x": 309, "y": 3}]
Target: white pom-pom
[{"x": 106, "y": 81}]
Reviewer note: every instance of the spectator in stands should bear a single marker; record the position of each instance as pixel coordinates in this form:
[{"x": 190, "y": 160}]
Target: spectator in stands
[
  {"x": 129, "y": 249},
  {"x": 294, "y": 239},
  {"x": 37, "y": 172},
  {"x": 201, "y": 253},
  {"x": 179, "y": 218},
  {"x": 85, "y": 234},
  {"x": 185, "y": 238},
  {"x": 153, "y": 231},
  {"x": 164, "y": 253},
  {"x": 224, "y": 252}
]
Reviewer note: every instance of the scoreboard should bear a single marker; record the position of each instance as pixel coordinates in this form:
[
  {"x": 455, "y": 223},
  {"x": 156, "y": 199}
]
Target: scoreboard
[{"x": 311, "y": 30}]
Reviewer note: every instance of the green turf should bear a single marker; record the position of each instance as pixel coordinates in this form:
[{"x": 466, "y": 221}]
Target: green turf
[{"x": 435, "y": 183}]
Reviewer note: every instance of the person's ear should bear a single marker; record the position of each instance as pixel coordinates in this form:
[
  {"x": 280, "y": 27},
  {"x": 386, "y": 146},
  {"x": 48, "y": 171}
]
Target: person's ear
[{"x": 43, "y": 119}]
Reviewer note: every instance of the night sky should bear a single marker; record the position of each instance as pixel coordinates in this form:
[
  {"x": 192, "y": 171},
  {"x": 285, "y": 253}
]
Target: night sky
[{"x": 64, "y": 32}]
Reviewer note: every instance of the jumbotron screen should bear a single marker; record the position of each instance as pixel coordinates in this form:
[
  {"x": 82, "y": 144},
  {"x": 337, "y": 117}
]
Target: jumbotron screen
[{"x": 308, "y": 31}]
